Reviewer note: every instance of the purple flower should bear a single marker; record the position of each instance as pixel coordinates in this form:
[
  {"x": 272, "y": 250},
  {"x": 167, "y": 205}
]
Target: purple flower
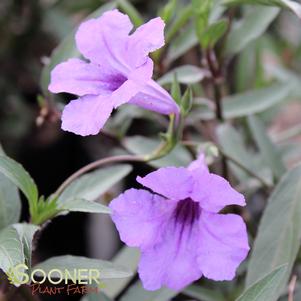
[
  {"x": 178, "y": 228},
  {"x": 119, "y": 72}
]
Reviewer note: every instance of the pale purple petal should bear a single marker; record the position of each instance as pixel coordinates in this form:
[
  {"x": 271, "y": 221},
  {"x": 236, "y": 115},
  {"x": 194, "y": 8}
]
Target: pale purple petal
[
  {"x": 147, "y": 38},
  {"x": 78, "y": 77},
  {"x": 199, "y": 164},
  {"x": 154, "y": 98},
  {"x": 103, "y": 41},
  {"x": 174, "y": 183},
  {"x": 86, "y": 115},
  {"x": 130, "y": 88},
  {"x": 172, "y": 263},
  {"x": 213, "y": 192},
  {"x": 140, "y": 217},
  {"x": 223, "y": 245}
]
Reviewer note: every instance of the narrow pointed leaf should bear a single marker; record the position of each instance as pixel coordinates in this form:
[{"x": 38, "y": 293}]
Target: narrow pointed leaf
[
  {"x": 251, "y": 27},
  {"x": 264, "y": 289},
  {"x": 279, "y": 232},
  {"x": 19, "y": 176},
  {"x": 108, "y": 270},
  {"x": 94, "y": 184},
  {"x": 137, "y": 293},
  {"x": 186, "y": 74},
  {"x": 268, "y": 150},
  {"x": 129, "y": 255}
]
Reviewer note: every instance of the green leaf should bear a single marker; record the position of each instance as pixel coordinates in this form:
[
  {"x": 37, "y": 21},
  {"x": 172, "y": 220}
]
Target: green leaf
[
  {"x": 180, "y": 21},
  {"x": 95, "y": 297},
  {"x": 182, "y": 43},
  {"x": 268, "y": 150},
  {"x": 107, "y": 270},
  {"x": 213, "y": 33},
  {"x": 137, "y": 293},
  {"x": 250, "y": 102},
  {"x": 91, "y": 186},
  {"x": 252, "y": 26},
  {"x": 16, "y": 249},
  {"x": 139, "y": 145},
  {"x": 168, "y": 10},
  {"x": 11, "y": 250},
  {"x": 204, "y": 294},
  {"x": 187, "y": 38},
  {"x": 127, "y": 255},
  {"x": 176, "y": 90},
  {"x": 67, "y": 48},
  {"x": 186, "y": 74},
  {"x": 10, "y": 203},
  {"x": 82, "y": 205},
  {"x": 294, "y": 6},
  {"x": 186, "y": 102},
  {"x": 128, "y": 8},
  {"x": 20, "y": 177},
  {"x": 264, "y": 289},
  {"x": 279, "y": 232},
  {"x": 255, "y": 101},
  {"x": 26, "y": 233},
  {"x": 234, "y": 146}
]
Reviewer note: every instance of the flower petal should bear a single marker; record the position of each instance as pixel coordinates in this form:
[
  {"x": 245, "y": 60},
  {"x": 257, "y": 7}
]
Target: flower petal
[
  {"x": 86, "y": 115},
  {"x": 78, "y": 77},
  {"x": 147, "y": 38},
  {"x": 172, "y": 263},
  {"x": 213, "y": 192},
  {"x": 103, "y": 41},
  {"x": 130, "y": 88},
  {"x": 223, "y": 245},
  {"x": 154, "y": 98},
  {"x": 174, "y": 183},
  {"x": 199, "y": 164},
  {"x": 140, "y": 217}
]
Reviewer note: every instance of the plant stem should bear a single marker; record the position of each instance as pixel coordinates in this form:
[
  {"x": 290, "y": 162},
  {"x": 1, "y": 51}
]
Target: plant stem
[
  {"x": 96, "y": 164},
  {"x": 218, "y": 94}
]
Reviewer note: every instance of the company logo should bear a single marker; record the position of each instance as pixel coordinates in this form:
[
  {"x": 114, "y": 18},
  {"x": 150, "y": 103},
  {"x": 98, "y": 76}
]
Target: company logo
[{"x": 75, "y": 281}]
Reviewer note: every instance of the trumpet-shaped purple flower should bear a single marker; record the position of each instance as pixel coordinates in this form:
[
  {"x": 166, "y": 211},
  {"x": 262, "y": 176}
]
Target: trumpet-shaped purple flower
[
  {"x": 119, "y": 71},
  {"x": 178, "y": 228}
]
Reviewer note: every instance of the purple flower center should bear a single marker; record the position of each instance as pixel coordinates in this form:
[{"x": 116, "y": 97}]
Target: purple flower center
[
  {"x": 187, "y": 212},
  {"x": 114, "y": 82}
]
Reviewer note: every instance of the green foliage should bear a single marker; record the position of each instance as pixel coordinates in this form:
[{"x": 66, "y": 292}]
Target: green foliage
[
  {"x": 267, "y": 148},
  {"x": 210, "y": 36},
  {"x": 168, "y": 10},
  {"x": 129, "y": 255},
  {"x": 139, "y": 145},
  {"x": 131, "y": 11},
  {"x": 92, "y": 185},
  {"x": 16, "y": 248},
  {"x": 203, "y": 293},
  {"x": 20, "y": 177},
  {"x": 10, "y": 203},
  {"x": 137, "y": 293},
  {"x": 233, "y": 145},
  {"x": 254, "y": 23},
  {"x": 277, "y": 240},
  {"x": 186, "y": 74},
  {"x": 107, "y": 270},
  {"x": 294, "y": 6},
  {"x": 264, "y": 289}
]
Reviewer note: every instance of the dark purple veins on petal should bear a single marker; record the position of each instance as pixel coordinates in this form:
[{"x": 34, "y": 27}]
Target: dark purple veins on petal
[{"x": 187, "y": 212}]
